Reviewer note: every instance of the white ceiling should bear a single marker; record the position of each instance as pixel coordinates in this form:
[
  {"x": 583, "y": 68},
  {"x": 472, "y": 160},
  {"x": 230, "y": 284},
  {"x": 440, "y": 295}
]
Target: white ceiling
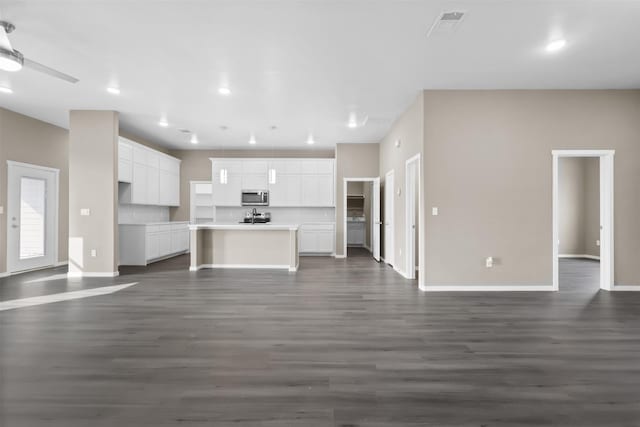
[{"x": 303, "y": 65}]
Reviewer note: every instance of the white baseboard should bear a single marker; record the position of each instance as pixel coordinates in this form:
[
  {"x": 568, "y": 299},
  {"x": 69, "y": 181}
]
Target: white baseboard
[
  {"x": 487, "y": 288},
  {"x": 339, "y": 256},
  {"x": 626, "y": 288},
  {"x": 61, "y": 263},
  {"x": 246, "y": 266},
  {"x": 5, "y": 274},
  {"x": 597, "y": 258},
  {"x": 76, "y": 274}
]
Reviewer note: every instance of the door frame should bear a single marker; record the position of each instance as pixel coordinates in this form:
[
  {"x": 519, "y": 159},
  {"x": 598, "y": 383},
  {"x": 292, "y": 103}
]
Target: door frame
[
  {"x": 375, "y": 222},
  {"x": 410, "y": 258},
  {"x": 56, "y": 213},
  {"x": 606, "y": 213},
  {"x": 389, "y": 256}
]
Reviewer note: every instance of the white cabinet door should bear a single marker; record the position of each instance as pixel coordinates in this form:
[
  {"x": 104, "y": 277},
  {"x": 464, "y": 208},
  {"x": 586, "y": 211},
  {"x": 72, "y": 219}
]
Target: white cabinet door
[
  {"x": 180, "y": 240},
  {"x": 174, "y": 191},
  {"x": 254, "y": 167},
  {"x": 164, "y": 243},
  {"x": 254, "y": 181},
  {"x": 153, "y": 186},
  {"x": 165, "y": 188},
  {"x": 228, "y": 194},
  {"x": 293, "y": 190},
  {"x": 324, "y": 242},
  {"x": 139, "y": 184},
  {"x": 125, "y": 162},
  {"x": 125, "y": 170},
  {"x": 278, "y": 192},
  {"x": 153, "y": 248},
  {"x": 140, "y": 154},
  {"x": 307, "y": 241},
  {"x": 317, "y": 190}
]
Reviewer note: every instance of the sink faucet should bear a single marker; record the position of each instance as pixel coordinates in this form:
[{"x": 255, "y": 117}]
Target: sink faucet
[{"x": 254, "y": 213}]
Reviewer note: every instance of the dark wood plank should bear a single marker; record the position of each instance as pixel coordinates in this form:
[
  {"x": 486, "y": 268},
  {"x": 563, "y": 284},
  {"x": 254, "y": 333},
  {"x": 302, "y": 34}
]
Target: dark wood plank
[{"x": 342, "y": 342}]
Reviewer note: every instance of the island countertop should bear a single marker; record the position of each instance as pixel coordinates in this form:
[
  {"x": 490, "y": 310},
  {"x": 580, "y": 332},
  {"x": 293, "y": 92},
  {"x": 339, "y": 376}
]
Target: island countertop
[{"x": 244, "y": 226}]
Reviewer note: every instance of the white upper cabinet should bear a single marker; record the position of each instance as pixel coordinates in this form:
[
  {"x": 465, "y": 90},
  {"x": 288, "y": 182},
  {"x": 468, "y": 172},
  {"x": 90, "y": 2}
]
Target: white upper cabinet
[
  {"x": 154, "y": 176},
  {"x": 291, "y": 182}
]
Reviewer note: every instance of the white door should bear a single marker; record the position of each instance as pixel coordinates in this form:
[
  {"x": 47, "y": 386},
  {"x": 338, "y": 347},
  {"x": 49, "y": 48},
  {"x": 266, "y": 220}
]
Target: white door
[
  {"x": 411, "y": 202},
  {"x": 375, "y": 207},
  {"x": 32, "y": 216},
  {"x": 389, "y": 249}
]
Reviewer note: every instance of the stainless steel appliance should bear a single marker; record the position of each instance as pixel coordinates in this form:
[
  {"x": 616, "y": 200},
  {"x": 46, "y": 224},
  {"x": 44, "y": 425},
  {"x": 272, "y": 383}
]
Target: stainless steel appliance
[{"x": 255, "y": 198}]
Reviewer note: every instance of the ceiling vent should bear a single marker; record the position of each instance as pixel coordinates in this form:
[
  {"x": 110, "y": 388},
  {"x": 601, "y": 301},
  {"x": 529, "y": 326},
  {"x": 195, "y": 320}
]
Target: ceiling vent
[{"x": 447, "y": 22}]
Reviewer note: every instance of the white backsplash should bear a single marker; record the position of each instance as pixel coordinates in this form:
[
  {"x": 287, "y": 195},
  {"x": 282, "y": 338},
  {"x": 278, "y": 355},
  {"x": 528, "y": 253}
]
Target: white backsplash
[
  {"x": 279, "y": 215},
  {"x": 138, "y": 214}
]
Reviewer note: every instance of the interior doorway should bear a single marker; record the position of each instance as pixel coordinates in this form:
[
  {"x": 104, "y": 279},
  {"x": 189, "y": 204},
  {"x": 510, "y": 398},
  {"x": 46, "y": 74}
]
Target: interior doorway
[
  {"x": 362, "y": 216},
  {"x": 583, "y": 217},
  {"x": 32, "y": 216},
  {"x": 388, "y": 221},
  {"x": 412, "y": 212}
]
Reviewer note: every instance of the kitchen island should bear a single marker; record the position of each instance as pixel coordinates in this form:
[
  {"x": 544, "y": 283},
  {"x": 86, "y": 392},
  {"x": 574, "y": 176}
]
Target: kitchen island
[{"x": 217, "y": 245}]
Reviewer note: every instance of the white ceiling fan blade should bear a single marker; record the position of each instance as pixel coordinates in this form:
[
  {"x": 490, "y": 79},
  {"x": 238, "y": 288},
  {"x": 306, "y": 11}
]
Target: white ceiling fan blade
[{"x": 50, "y": 71}]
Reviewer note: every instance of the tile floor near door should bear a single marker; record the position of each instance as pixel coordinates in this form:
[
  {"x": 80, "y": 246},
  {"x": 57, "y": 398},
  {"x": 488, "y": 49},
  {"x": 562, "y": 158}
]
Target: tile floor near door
[{"x": 341, "y": 343}]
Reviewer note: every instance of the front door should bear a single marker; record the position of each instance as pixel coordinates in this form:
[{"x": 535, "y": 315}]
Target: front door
[{"x": 32, "y": 210}]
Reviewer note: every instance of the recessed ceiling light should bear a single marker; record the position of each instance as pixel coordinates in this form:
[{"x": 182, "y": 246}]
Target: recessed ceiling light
[
  {"x": 556, "y": 45},
  {"x": 310, "y": 140},
  {"x": 352, "y": 124},
  {"x": 252, "y": 140},
  {"x": 5, "y": 89},
  {"x": 163, "y": 123},
  {"x": 113, "y": 90},
  {"x": 194, "y": 139},
  {"x": 224, "y": 91}
]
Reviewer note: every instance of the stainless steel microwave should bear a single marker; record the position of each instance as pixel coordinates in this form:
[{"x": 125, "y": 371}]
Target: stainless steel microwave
[{"x": 255, "y": 198}]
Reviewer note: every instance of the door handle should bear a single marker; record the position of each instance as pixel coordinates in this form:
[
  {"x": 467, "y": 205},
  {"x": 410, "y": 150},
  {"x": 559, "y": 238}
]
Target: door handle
[{"x": 14, "y": 226}]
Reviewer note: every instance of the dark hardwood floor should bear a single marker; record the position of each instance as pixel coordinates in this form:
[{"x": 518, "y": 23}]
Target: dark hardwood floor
[{"x": 341, "y": 343}]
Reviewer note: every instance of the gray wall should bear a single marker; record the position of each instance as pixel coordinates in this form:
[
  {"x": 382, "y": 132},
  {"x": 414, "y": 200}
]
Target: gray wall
[
  {"x": 93, "y": 184},
  {"x": 409, "y": 129},
  {"x": 488, "y": 168},
  {"x": 27, "y": 140},
  {"x": 352, "y": 161},
  {"x": 578, "y": 210}
]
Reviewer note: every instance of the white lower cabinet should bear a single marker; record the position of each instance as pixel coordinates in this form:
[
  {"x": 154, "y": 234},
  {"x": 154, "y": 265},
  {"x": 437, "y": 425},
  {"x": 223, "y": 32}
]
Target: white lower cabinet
[
  {"x": 316, "y": 239},
  {"x": 356, "y": 233},
  {"x": 141, "y": 244}
]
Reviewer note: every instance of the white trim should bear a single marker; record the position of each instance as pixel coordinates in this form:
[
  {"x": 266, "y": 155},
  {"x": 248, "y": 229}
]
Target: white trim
[
  {"x": 606, "y": 213},
  {"x": 626, "y": 288},
  {"x": 4, "y": 274},
  {"x": 487, "y": 288},
  {"x": 420, "y": 221},
  {"x": 75, "y": 274},
  {"x": 586, "y": 256},
  {"x": 582, "y": 153},
  {"x": 30, "y": 165},
  {"x": 340, "y": 256},
  {"x": 392, "y": 245},
  {"x": 344, "y": 209},
  {"x": 56, "y": 212},
  {"x": 61, "y": 263},
  {"x": 247, "y": 266}
]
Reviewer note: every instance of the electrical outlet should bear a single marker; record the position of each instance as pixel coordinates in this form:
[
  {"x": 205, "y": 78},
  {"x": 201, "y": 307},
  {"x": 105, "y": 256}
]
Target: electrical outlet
[
  {"x": 1, "y": 210},
  {"x": 434, "y": 211},
  {"x": 597, "y": 242},
  {"x": 85, "y": 212},
  {"x": 94, "y": 253}
]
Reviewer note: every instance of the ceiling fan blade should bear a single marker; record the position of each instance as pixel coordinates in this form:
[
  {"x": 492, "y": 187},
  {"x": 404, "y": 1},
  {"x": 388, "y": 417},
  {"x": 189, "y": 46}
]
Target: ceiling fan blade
[{"x": 50, "y": 71}]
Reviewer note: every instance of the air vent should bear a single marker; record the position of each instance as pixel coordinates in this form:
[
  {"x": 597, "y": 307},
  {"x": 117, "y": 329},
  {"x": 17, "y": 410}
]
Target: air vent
[
  {"x": 184, "y": 130},
  {"x": 447, "y": 22}
]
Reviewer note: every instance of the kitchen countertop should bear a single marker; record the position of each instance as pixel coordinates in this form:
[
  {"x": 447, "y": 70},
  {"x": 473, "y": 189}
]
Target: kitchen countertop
[
  {"x": 238, "y": 226},
  {"x": 155, "y": 223}
]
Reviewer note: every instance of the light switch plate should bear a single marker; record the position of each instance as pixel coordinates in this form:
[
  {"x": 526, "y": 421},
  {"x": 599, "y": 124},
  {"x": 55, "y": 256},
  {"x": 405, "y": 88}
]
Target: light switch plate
[
  {"x": 94, "y": 253},
  {"x": 434, "y": 211},
  {"x": 489, "y": 262},
  {"x": 1, "y": 210},
  {"x": 85, "y": 212}
]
